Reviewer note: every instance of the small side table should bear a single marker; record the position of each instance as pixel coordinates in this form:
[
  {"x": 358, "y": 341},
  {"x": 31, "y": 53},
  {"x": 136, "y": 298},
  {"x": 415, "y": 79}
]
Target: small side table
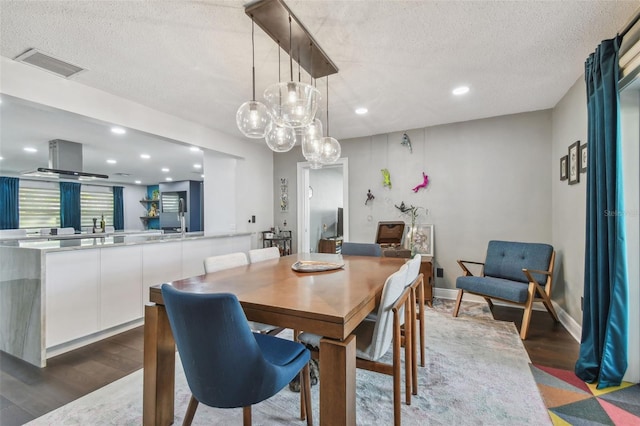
[
  {"x": 282, "y": 241},
  {"x": 426, "y": 268}
]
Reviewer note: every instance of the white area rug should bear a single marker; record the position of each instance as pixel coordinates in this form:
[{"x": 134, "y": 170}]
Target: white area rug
[{"x": 477, "y": 373}]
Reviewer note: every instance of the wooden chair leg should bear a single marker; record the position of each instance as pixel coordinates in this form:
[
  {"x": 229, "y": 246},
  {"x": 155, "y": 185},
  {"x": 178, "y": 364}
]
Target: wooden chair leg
[
  {"x": 305, "y": 389},
  {"x": 246, "y": 416},
  {"x": 414, "y": 343},
  {"x": 396, "y": 372},
  {"x": 191, "y": 411},
  {"x": 421, "y": 319},
  {"x": 409, "y": 349},
  {"x": 458, "y": 301}
]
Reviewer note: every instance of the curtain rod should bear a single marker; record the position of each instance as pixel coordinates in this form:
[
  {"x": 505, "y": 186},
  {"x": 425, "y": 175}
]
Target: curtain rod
[{"x": 631, "y": 23}]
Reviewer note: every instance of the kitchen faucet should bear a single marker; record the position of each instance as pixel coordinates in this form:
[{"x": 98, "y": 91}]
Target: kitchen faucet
[{"x": 181, "y": 215}]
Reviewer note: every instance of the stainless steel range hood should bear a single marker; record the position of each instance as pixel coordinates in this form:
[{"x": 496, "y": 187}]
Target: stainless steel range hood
[{"x": 65, "y": 159}]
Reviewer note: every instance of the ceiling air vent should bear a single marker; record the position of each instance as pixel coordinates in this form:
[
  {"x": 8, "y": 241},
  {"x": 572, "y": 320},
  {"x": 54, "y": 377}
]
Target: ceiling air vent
[{"x": 49, "y": 63}]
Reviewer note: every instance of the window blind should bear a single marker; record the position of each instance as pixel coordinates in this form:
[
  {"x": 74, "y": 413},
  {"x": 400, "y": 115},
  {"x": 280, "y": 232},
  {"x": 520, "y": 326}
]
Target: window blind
[
  {"x": 94, "y": 205},
  {"x": 39, "y": 207}
]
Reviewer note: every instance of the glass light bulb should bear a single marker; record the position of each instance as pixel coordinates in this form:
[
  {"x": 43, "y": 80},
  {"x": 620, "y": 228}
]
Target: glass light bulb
[
  {"x": 281, "y": 139},
  {"x": 254, "y": 119}
]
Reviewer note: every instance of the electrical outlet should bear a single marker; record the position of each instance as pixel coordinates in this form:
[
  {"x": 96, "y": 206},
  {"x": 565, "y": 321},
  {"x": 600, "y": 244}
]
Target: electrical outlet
[
  {"x": 439, "y": 272},
  {"x": 253, "y": 218}
]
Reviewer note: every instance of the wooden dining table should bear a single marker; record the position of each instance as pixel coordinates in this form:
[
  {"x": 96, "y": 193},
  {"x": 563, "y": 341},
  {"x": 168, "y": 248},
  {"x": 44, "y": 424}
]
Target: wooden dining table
[{"x": 330, "y": 303}]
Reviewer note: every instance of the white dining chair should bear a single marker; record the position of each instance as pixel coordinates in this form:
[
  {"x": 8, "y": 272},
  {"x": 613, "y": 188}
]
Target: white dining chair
[
  {"x": 259, "y": 255},
  {"x": 233, "y": 260}
]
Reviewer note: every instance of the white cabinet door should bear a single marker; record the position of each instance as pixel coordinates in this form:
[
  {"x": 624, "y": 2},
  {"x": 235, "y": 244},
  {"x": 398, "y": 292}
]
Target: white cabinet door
[
  {"x": 71, "y": 290},
  {"x": 193, "y": 254},
  {"x": 120, "y": 285},
  {"x": 161, "y": 263}
]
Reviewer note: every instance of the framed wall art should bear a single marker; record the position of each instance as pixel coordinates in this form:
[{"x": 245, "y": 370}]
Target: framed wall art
[
  {"x": 573, "y": 165},
  {"x": 422, "y": 236},
  {"x": 583, "y": 158},
  {"x": 563, "y": 168}
]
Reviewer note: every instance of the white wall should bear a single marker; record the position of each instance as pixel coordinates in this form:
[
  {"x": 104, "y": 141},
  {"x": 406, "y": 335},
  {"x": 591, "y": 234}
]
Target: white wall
[
  {"x": 489, "y": 179},
  {"x": 132, "y": 195},
  {"x": 630, "y": 124},
  {"x": 568, "y": 202}
]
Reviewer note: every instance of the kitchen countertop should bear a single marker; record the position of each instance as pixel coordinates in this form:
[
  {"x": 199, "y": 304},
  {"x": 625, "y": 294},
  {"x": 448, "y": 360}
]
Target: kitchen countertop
[{"x": 88, "y": 241}]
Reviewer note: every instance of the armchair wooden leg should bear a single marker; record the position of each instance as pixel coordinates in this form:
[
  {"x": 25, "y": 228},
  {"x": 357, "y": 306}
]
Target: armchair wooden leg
[
  {"x": 550, "y": 309},
  {"x": 458, "y": 301},
  {"x": 528, "y": 309},
  {"x": 246, "y": 416},
  {"x": 191, "y": 411}
]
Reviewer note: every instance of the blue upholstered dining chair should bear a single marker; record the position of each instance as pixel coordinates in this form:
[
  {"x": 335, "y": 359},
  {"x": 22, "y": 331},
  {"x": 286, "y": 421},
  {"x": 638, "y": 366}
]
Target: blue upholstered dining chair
[
  {"x": 375, "y": 338},
  {"x": 226, "y": 365},
  {"x": 361, "y": 249}
]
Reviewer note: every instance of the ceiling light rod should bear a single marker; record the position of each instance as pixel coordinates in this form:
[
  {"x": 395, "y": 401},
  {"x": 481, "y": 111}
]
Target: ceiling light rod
[
  {"x": 253, "y": 59},
  {"x": 273, "y": 17}
]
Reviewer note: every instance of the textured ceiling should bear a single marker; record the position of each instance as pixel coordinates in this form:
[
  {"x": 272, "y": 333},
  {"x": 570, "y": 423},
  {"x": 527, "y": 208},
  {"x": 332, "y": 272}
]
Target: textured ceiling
[{"x": 400, "y": 59}]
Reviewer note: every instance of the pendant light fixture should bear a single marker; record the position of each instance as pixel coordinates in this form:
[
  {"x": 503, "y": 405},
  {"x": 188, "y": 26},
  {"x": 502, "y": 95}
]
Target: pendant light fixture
[
  {"x": 330, "y": 148},
  {"x": 253, "y": 118},
  {"x": 292, "y": 104},
  {"x": 280, "y": 138},
  {"x": 312, "y": 144}
]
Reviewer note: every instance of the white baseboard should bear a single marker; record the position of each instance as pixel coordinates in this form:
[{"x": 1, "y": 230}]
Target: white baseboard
[
  {"x": 574, "y": 329},
  {"x": 84, "y": 341}
]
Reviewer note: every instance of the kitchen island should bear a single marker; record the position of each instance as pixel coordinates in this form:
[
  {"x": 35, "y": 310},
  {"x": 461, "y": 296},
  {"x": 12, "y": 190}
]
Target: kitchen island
[{"x": 60, "y": 294}]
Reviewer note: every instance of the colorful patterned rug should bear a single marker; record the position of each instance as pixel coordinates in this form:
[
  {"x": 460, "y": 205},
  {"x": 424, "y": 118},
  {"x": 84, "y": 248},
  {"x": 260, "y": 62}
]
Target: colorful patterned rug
[{"x": 570, "y": 401}]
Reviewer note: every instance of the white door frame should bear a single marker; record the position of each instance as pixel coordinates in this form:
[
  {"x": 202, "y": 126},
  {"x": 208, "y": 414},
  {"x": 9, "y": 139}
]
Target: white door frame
[{"x": 303, "y": 202}]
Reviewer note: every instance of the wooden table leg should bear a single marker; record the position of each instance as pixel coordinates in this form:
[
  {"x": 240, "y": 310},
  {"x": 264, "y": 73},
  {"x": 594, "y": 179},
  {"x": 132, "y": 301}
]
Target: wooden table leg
[
  {"x": 338, "y": 382},
  {"x": 159, "y": 368}
]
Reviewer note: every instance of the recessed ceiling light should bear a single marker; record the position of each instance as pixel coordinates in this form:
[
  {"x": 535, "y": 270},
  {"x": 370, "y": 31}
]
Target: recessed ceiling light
[
  {"x": 118, "y": 130},
  {"x": 145, "y": 156},
  {"x": 361, "y": 111},
  {"x": 1, "y": 158},
  {"x": 138, "y": 182},
  {"x": 164, "y": 169},
  {"x": 195, "y": 149},
  {"x": 202, "y": 176},
  {"x": 111, "y": 161},
  {"x": 197, "y": 166},
  {"x": 168, "y": 179},
  {"x": 29, "y": 149},
  {"x": 460, "y": 90}
]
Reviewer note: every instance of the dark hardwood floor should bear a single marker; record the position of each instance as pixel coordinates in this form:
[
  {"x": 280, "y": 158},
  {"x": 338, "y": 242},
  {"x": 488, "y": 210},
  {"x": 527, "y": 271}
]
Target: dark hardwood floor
[{"x": 27, "y": 392}]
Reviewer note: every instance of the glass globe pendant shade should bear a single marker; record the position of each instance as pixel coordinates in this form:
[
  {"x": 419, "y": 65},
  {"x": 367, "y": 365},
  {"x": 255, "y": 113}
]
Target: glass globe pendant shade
[
  {"x": 330, "y": 150},
  {"x": 281, "y": 139},
  {"x": 292, "y": 104},
  {"x": 254, "y": 119},
  {"x": 312, "y": 143}
]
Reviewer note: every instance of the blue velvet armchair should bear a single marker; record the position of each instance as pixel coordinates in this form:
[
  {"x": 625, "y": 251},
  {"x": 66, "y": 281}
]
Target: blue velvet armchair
[{"x": 515, "y": 272}]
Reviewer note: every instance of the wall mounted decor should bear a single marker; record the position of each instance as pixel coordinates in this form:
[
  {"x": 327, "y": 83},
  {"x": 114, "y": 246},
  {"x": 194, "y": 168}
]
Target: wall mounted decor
[
  {"x": 583, "y": 158},
  {"x": 406, "y": 142},
  {"x": 425, "y": 182},
  {"x": 573, "y": 170},
  {"x": 284, "y": 195},
  {"x": 422, "y": 237},
  {"x": 370, "y": 197},
  {"x": 386, "y": 178},
  {"x": 563, "y": 168}
]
